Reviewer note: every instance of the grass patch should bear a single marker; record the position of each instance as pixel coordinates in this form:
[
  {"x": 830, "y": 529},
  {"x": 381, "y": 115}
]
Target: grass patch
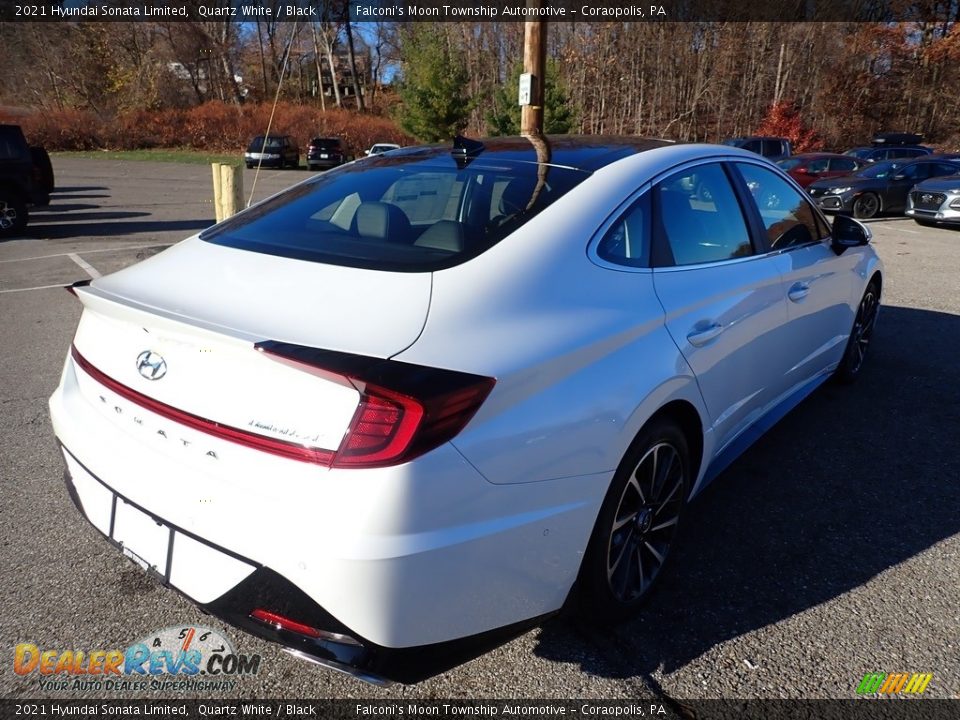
[{"x": 196, "y": 157}]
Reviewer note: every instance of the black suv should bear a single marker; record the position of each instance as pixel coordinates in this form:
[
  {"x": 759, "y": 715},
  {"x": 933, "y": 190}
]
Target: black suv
[
  {"x": 325, "y": 153},
  {"x": 22, "y": 182},
  {"x": 774, "y": 148},
  {"x": 891, "y": 146},
  {"x": 277, "y": 151}
]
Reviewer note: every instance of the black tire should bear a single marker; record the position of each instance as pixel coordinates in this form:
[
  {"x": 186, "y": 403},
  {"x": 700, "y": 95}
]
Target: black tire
[
  {"x": 860, "y": 335},
  {"x": 41, "y": 161},
  {"x": 866, "y": 206},
  {"x": 637, "y": 525},
  {"x": 249, "y": 166},
  {"x": 13, "y": 214}
]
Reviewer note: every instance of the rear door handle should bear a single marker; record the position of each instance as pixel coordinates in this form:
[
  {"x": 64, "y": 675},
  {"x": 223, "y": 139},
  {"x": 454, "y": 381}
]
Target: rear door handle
[
  {"x": 798, "y": 291},
  {"x": 698, "y": 338}
]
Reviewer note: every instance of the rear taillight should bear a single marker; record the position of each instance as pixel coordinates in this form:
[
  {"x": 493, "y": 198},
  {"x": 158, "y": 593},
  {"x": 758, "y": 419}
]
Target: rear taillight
[
  {"x": 404, "y": 410},
  {"x": 281, "y": 622},
  {"x": 311, "y": 148}
]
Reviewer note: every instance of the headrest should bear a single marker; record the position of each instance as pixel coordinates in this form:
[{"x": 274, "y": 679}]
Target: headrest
[
  {"x": 443, "y": 235},
  {"x": 382, "y": 221}
]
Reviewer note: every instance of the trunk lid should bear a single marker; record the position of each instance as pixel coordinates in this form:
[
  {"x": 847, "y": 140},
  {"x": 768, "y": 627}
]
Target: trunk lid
[{"x": 180, "y": 329}]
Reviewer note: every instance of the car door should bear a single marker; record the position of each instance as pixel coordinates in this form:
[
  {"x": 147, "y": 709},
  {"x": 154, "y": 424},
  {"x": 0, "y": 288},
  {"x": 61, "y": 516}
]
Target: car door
[
  {"x": 898, "y": 185},
  {"x": 818, "y": 284},
  {"x": 723, "y": 300}
]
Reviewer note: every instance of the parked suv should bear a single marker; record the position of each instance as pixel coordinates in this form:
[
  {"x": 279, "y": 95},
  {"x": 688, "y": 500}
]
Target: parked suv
[
  {"x": 21, "y": 181},
  {"x": 891, "y": 146},
  {"x": 774, "y": 148},
  {"x": 278, "y": 151},
  {"x": 325, "y": 153}
]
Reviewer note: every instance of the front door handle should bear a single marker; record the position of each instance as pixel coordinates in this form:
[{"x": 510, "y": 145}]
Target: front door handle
[
  {"x": 798, "y": 291},
  {"x": 702, "y": 337}
]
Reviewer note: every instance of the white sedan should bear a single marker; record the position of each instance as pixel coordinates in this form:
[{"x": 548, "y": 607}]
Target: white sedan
[{"x": 406, "y": 409}]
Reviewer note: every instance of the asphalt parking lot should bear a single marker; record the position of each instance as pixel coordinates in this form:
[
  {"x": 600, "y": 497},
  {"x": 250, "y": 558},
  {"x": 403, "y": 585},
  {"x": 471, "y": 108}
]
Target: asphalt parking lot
[{"x": 829, "y": 550}]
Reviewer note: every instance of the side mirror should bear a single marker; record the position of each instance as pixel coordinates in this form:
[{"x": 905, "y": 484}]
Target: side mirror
[{"x": 848, "y": 233}]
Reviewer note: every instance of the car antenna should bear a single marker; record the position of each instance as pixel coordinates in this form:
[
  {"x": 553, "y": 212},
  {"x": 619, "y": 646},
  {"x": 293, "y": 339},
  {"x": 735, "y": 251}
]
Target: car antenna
[{"x": 466, "y": 150}]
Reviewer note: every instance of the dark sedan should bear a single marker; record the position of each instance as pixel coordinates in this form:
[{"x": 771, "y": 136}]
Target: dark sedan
[
  {"x": 807, "y": 168},
  {"x": 880, "y": 187}
]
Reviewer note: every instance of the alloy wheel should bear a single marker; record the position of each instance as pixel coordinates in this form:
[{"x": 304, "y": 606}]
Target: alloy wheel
[
  {"x": 8, "y": 215},
  {"x": 863, "y": 329},
  {"x": 645, "y": 522},
  {"x": 866, "y": 206}
]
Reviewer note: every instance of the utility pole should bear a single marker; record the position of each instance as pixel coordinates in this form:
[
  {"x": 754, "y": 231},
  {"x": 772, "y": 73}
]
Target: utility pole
[{"x": 534, "y": 65}]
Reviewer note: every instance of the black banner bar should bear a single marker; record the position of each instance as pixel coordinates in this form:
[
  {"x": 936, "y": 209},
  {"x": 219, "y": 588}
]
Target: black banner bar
[
  {"x": 859, "y": 709},
  {"x": 482, "y": 11}
]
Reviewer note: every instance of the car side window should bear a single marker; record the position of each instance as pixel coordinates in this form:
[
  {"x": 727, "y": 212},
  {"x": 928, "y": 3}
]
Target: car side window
[
  {"x": 772, "y": 148},
  {"x": 786, "y": 215},
  {"x": 700, "y": 218},
  {"x": 945, "y": 169},
  {"x": 919, "y": 171},
  {"x": 753, "y": 146},
  {"x": 627, "y": 242},
  {"x": 842, "y": 165}
]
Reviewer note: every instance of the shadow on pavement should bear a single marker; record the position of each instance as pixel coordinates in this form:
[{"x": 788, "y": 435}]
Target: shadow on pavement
[{"x": 854, "y": 481}]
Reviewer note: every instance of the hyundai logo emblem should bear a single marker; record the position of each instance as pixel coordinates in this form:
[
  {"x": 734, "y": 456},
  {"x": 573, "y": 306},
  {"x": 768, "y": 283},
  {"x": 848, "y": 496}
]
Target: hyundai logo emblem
[
  {"x": 926, "y": 198},
  {"x": 151, "y": 365}
]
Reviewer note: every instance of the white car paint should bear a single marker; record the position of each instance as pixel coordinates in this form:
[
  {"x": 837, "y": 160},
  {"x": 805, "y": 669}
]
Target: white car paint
[{"x": 489, "y": 528}]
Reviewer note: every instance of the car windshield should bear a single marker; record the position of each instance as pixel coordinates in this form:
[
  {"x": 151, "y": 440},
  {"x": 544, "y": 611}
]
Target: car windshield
[
  {"x": 879, "y": 170},
  {"x": 790, "y": 163},
  {"x": 272, "y": 143},
  {"x": 859, "y": 152},
  {"x": 398, "y": 213},
  {"x": 382, "y": 148}
]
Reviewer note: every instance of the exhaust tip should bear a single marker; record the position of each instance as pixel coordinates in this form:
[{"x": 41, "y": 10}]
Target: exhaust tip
[{"x": 345, "y": 669}]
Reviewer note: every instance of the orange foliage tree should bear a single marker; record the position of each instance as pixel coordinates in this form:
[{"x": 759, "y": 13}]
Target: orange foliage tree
[{"x": 783, "y": 120}]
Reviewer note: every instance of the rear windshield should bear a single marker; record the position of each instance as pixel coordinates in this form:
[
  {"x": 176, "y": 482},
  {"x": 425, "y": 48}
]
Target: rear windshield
[
  {"x": 398, "y": 213},
  {"x": 859, "y": 152},
  {"x": 325, "y": 143}
]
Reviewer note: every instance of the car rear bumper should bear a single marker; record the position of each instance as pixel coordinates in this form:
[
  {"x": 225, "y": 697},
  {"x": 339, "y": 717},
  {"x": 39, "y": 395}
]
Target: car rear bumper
[
  {"x": 405, "y": 558},
  {"x": 332, "y": 645},
  {"x": 323, "y": 163}
]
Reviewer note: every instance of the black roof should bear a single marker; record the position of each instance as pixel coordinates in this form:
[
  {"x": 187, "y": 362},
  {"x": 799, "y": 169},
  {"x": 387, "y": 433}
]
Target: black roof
[{"x": 581, "y": 152}]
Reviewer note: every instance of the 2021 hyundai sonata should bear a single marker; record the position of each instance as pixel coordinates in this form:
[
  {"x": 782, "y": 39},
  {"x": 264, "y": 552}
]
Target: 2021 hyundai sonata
[{"x": 408, "y": 408}]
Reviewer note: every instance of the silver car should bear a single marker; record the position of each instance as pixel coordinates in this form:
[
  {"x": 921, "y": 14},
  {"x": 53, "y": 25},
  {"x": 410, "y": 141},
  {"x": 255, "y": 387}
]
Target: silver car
[{"x": 935, "y": 201}]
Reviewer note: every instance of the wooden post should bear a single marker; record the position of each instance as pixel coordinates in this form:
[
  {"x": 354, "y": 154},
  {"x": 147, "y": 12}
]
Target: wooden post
[
  {"x": 218, "y": 213},
  {"x": 231, "y": 190},
  {"x": 535, "y": 63}
]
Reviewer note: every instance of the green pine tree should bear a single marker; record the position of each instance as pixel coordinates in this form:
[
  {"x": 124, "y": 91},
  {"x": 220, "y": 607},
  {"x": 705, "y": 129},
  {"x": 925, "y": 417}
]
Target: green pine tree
[
  {"x": 558, "y": 112},
  {"x": 433, "y": 88}
]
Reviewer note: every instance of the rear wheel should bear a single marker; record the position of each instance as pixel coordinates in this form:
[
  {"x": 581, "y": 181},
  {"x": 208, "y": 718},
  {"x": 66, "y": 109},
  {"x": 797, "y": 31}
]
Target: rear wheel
[
  {"x": 866, "y": 206},
  {"x": 13, "y": 214},
  {"x": 860, "y": 335},
  {"x": 637, "y": 525}
]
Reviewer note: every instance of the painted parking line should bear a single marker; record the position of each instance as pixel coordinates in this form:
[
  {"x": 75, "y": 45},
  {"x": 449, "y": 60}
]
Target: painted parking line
[
  {"x": 85, "y": 266},
  {"x": 87, "y": 252},
  {"x": 38, "y": 287}
]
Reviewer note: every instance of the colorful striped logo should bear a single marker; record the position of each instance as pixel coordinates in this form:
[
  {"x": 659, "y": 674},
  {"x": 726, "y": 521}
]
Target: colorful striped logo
[{"x": 894, "y": 683}]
